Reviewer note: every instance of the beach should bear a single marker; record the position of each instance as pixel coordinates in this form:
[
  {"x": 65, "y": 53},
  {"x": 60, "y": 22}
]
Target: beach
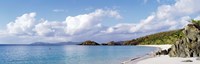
[{"x": 164, "y": 59}]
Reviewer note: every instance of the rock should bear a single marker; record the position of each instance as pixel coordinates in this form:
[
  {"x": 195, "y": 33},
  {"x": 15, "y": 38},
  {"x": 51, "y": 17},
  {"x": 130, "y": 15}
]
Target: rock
[
  {"x": 163, "y": 52},
  {"x": 189, "y": 45},
  {"x": 198, "y": 58},
  {"x": 187, "y": 61},
  {"x": 88, "y": 42}
]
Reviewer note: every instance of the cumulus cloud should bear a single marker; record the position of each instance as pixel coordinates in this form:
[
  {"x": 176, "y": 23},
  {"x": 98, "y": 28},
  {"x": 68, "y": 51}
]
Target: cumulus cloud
[
  {"x": 178, "y": 14},
  {"x": 22, "y": 25},
  {"x": 142, "y": 24},
  {"x": 123, "y": 28},
  {"x": 46, "y": 28},
  {"x": 180, "y": 8},
  {"x": 86, "y": 22}
]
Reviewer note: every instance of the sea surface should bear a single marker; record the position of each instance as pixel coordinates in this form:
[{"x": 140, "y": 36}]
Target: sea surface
[{"x": 70, "y": 54}]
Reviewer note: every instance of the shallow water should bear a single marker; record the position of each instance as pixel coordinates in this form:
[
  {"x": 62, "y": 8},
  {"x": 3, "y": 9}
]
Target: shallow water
[{"x": 70, "y": 54}]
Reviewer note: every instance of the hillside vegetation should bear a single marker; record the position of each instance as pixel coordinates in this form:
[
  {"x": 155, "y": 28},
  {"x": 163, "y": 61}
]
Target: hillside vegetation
[{"x": 168, "y": 37}]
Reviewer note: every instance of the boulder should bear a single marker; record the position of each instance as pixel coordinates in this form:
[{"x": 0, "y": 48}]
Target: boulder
[
  {"x": 163, "y": 52},
  {"x": 198, "y": 58},
  {"x": 189, "y": 46},
  {"x": 187, "y": 61}
]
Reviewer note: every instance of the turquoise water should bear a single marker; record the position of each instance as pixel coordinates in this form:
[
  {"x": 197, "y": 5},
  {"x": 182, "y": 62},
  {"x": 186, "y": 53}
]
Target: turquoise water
[{"x": 70, "y": 54}]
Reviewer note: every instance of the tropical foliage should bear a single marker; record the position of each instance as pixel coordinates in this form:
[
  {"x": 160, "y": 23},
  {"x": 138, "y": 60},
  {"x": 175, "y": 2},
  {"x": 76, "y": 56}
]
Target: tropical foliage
[{"x": 168, "y": 37}]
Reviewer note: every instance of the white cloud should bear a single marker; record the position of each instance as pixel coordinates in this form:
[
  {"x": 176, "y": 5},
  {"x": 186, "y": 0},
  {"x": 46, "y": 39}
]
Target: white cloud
[
  {"x": 46, "y": 28},
  {"x": 120, "y": 29},
  {"x": 86, "y": 22},
  {"x": 22, "y": 25},
  {"x": 142, "y": 24},
  {"x": 180, "y": 8},
  {"x": 178, "y": 14},
  {"x": 187, "y": 6}
]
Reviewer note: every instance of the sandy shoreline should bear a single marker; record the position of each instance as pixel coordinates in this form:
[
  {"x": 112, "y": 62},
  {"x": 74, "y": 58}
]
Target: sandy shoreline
[
  {"x": 146, "y": 56},
  {"x": 163, "y": 59},
  {"x": 137, "y": 59}
]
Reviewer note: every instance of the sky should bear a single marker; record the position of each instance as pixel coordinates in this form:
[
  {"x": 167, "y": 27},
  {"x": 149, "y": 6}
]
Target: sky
[{"x": 28, "y": 21}]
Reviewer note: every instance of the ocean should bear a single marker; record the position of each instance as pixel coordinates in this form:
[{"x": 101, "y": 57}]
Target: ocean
[{"x": 70, "y": 54}]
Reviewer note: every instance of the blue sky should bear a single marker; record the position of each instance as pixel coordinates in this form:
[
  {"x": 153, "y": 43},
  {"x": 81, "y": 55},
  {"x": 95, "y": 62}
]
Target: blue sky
[{"x": 100, "y": 20}]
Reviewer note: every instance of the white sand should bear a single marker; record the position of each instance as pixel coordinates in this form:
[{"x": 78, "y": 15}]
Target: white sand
[
  {"x": 162, "y": 47},
  {"x": 150, "y": 55},
  {"x": 165, "y": 59}
]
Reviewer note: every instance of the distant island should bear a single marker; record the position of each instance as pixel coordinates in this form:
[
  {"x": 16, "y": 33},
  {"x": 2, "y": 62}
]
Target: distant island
[{"x": 89, "y": 42}]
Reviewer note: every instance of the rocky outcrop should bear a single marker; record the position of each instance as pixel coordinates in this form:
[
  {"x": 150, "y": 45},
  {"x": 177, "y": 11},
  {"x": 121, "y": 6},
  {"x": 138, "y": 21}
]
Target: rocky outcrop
[
  {"x": 89, "y": 42},
  {"x": 163, "y": 52},
  {"x": 189, "y": 45}
]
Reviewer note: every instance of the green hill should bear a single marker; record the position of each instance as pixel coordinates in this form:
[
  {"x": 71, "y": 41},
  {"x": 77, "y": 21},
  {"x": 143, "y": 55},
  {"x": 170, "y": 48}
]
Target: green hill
[{"x": 168, "y": 37}]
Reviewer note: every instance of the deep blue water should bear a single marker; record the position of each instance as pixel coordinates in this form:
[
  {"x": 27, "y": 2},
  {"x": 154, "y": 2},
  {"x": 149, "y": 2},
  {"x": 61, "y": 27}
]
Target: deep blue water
[{"x": 70, "y": 54}]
